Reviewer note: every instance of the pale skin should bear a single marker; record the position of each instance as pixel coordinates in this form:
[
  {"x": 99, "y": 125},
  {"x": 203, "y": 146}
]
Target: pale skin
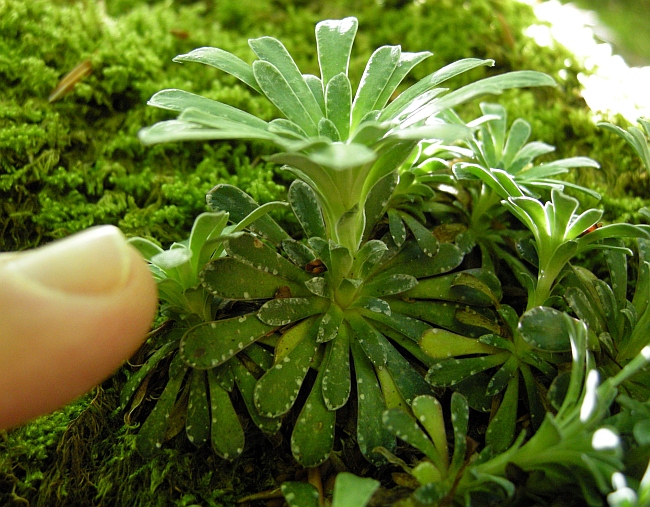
[{"x": 70, "y": 313}]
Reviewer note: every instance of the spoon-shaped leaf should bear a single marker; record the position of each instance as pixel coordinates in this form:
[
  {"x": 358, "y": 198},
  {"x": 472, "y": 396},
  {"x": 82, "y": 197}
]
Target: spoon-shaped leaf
[{"x": 212, "y": 343}]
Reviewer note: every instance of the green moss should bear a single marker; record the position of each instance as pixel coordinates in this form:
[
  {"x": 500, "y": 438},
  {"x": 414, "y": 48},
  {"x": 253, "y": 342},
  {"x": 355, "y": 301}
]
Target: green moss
[{"x": 75, "y": 163}]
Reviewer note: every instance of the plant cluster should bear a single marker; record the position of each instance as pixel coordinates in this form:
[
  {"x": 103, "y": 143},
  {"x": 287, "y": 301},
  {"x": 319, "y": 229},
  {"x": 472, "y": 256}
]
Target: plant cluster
[{"x": 434, "y": 253}]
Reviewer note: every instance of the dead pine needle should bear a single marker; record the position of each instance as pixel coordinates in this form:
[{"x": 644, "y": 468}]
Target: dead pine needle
[{"x": 69, "y": 81}]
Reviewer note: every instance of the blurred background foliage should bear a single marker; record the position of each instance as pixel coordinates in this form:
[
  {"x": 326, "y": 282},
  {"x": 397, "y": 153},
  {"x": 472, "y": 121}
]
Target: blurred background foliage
[{"x": 625, "y": 25}]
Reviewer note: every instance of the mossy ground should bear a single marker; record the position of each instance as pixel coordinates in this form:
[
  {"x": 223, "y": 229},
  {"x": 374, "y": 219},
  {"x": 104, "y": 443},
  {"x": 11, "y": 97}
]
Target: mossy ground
[{"x": 67, "y": 165}]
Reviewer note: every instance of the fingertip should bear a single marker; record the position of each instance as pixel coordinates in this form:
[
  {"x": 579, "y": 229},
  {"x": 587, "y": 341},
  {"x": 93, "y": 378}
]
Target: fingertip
[{"x": 56, "y": 345}]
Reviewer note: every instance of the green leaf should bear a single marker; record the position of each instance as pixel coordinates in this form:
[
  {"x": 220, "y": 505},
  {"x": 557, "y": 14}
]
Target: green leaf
[
  {"x": 273, "y": 51},
  {"x": 375, "y": 77},
  {"x": 230, "y": 278},
  {"x": 306, "y": 206},
  {"x": 222, "y": 128},
  {"x": 342, "y": 156},
  {"x": 172, "y": 258},
  {"x": 327, "y": 129},
  {"x": 412, "y": 328},
  {"x": 336, "y": 376},
  {"x": 444, "y": 315},
  {"x": 546, "y": 329},
  {"x": 287, "y": 128},
  {"x": 448, "y": 372},
  {"x": 368, "y": 338},
  {"x": 313, "y": 434},
  {"x": 407, "y": 380},
  {"x": 370, "y": 431},
  {"x": 330, "y": 323},
  {"x": 412, "y": 261},
  {"x": 197, "y": 425},
  {"x": 338, "y": 103},
  {"x": 489, "y": 85},
  {"x": 166, "y": 344},
  {"x": 428, "y": 412},
  {"x": 425, "y": 239},
  {"x": 299, "y": 494},
  {"x": 280, "y": 312},
  {"x": 227, "y": 433},
  {"x": 461, "y": 287},
  {"x": 353, "y": 491},
  {"x": 405, "y": 64},
  {"x": 396, "y": 227},
  {"x": 368, "y": 256},
  {"x": 519, "y": 134},
  {"x": 503, "y": 375},
  {"x": 317, "y": 90},
  {"x": 178, "y": 100},
  {"x": 388, "y": 285},
  {"x": 473, "y": 389},
  {"x": 147, "y": 249},
  {"x": 204, "y": 236},
  {"x": 152, "y": 432},
  {"x": 334, "y": 39},
  {"x": 442, "y": 344},
  {"x": 460, "y": 422},
  {"x": 406, "y": 98},
  {"x": 246, "y": 385},
  {"x": 276, "y": 391},
  {"x": 501, "y": 430},
  {"x": 318, "y": 286},
  {"x": 240, "y": 205},
  {"x": 298, "y": 253},
  {"x": 212, "y": 343},
  {"x": 222, "y": 60},
  {"x": 275, "y": 86},
  {"x": 404, "y": 427}
]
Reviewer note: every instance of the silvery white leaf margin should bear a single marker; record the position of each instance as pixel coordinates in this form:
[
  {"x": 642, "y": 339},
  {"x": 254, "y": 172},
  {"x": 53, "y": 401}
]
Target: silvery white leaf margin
[{"x": 613, "y": 86}]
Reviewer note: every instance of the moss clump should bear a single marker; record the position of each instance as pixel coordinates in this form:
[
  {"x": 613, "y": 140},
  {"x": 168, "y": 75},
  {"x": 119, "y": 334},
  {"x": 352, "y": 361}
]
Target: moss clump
[{"x": 77, "y": 162}]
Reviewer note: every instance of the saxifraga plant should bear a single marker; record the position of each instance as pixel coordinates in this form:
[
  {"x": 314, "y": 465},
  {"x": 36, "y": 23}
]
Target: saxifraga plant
[
  {"x": 348, "y": 291},
  {"x": 185, "y": 402}
]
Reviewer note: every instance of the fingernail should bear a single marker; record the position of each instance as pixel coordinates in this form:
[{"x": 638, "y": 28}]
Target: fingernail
[{"x": 94, "y": 261}]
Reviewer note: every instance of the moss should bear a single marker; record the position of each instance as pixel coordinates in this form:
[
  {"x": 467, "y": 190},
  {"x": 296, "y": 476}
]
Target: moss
[{"x": 74, "y": 163}]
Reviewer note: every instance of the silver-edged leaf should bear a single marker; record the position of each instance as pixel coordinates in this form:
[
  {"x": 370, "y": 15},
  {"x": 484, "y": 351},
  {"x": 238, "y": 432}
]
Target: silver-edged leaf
[
  {"x": 313, "y": 433},
  {"x": 375, "y": 77},
  {"x": 197, "y": 424},
  {"x": 230, "y": 278},
  {"x": 330, "y": 323},
  {"x": 334, "y": 39},
  {"x": 226, "y": 432},
  {"x": 370, "y": 431},
  {"x": 246, "y": 385},
  {"x": 271, "y": 50},
  {"x": 306, "y": 206},
  {"x": 501, "y": 430},
  {"x": 336, "y": 365},
  {"x": 152, "y": 432},
  {"x": 240, "y": 205},
  {"x": 280, "y": 92},
  {"x": 448, "y": 372},
  {"x": 338, "y": 104},
  {"x": 283, "y": 311},
  {"x": 222, "y": 60},
  {"x": 210, "y": 344},
  {"x": 276, "y": 391},
  {"x": 388, "y": 285}
]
